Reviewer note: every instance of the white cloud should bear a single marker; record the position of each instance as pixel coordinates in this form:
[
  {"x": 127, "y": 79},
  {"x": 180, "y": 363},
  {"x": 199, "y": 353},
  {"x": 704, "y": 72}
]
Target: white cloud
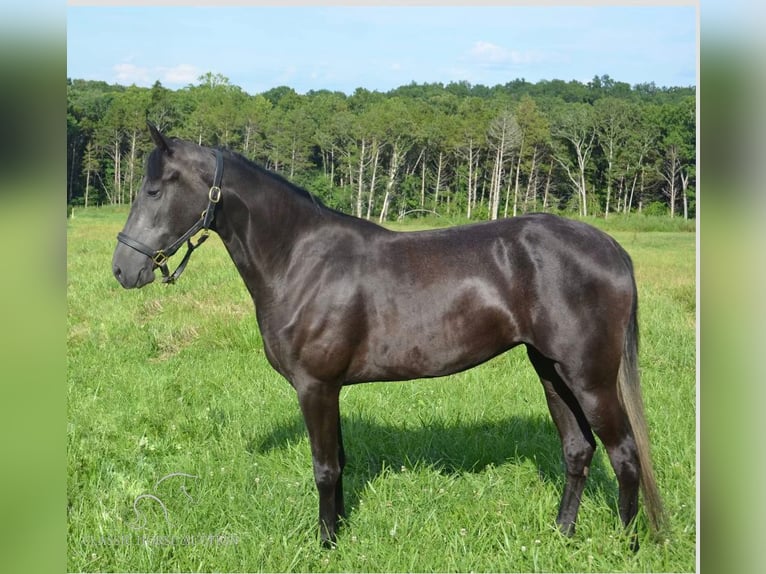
[
  {"x": 488, "y": 52},
  {"x": 489, "y": 55},
  {"x": 181, "y": 74},
  {"x": 126, "y": 73}
]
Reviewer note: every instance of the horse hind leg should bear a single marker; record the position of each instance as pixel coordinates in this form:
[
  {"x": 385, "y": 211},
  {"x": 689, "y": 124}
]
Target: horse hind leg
[
  {"x": 602, "y": 409},
  {"x": 612, "y": 427},
  {"x": 577, "y": 441}
]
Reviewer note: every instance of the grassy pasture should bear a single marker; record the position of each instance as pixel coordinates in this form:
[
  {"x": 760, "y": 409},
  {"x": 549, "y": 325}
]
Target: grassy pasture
[{"x": 186, "y": 451}]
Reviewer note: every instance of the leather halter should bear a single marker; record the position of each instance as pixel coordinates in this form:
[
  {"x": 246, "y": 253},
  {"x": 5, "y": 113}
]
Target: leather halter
[{"x": 160, "y": 256}]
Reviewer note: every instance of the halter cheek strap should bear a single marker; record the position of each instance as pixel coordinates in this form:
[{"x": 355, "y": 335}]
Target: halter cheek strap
[{"x": 160, "y": 256}]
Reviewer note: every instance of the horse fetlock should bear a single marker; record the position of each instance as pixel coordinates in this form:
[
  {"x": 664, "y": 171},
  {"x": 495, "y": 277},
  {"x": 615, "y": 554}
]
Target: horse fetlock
[{"x": 327, "y": 534}]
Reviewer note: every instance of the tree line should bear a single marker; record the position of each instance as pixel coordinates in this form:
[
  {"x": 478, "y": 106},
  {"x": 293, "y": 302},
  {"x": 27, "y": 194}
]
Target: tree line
[{"x": 458, "y": 149}]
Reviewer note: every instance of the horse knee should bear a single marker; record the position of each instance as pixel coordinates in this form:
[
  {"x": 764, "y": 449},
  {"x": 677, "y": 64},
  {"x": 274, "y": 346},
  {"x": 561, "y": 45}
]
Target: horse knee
[{"x": 326, "y": 476}]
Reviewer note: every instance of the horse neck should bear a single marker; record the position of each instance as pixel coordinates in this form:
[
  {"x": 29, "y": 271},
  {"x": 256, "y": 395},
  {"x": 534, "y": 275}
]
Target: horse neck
[{"x": 261, "y": 219}]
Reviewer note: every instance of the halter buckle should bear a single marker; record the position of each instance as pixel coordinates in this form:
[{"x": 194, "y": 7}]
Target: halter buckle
[
  {"x": 214, "y": 195},
  {"x": 160, "y": 258}
]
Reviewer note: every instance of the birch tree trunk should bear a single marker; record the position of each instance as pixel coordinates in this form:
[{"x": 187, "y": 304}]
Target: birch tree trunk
[
  {"x": 608, "y": 180},
  {"x": 547, "y": 186},
  {"x": 438, "y": 179},
  {"x": 360, "y": 180},
  {"x": 516, "y": 183},
  {"x": 248, "y": 129},
  {"x": 132, "y": 165},
  {"x": 506, "y": 134},
  {"x": 684, "y": 186},
  {"x": 582, "y": 160},
  {"x": 375, "y": 161},
  {"x": 508, "y": 197},
  {"x": 578, "y": 129},
  {"x": 350, "y": 168},
  {"x": 293, "y": 153},
  {"x": 629, "y": 202},
  {"x": 582, "y": 153},
  {"x": 117, "y": 172},
  {"x": 646, "y": 144},
  {"x": 87, "y": 186},
  {"x": 471, "y": 189},
  {"x": 89, "y": 165},
  {"x": 532, "y": 183},
  {"x": 670, "y": 174},
  {"x": 392, "y": 172},
  {"x": 620, "y": 194},
  {"x": 639, "y": 168},
  {"x": 494, "y": 188}
]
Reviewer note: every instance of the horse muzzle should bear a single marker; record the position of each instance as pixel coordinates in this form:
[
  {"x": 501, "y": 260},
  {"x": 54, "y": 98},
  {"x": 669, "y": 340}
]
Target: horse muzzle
[{"x": 132, "y": 270}]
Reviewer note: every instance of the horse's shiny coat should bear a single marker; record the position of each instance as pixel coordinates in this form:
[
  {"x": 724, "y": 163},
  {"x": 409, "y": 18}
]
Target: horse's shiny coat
[{"x": 340, "y": 300}]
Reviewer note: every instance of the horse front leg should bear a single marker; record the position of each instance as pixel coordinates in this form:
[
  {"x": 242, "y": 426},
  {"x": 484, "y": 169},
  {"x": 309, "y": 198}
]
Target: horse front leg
[
  {"x": 319, "y": 405},
  {"x": 339, "y": 504}
]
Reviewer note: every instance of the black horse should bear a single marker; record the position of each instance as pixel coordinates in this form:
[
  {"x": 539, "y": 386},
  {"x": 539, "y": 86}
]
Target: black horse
[{"x": 340, "y": 300}]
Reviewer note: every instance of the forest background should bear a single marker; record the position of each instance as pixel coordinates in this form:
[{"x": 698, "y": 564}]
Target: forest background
[{"x": 458, "y": 150}]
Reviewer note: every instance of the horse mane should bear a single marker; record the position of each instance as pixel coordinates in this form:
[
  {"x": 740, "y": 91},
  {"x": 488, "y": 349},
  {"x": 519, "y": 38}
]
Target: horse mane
[{"x": 281, "y": 180}]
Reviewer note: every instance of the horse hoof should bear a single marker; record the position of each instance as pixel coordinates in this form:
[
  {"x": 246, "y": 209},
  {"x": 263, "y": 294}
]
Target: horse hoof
[
  {"x": 328, "y": 540},
  {"x": 567, "y": 530}
]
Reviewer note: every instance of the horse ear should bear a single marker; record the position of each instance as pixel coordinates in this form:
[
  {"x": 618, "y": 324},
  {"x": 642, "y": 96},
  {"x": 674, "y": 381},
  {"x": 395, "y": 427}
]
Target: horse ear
[{"x": 159, "y": 140}]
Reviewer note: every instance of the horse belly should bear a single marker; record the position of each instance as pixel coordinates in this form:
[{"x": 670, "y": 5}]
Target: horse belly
[{"x": 435, "y": 334}]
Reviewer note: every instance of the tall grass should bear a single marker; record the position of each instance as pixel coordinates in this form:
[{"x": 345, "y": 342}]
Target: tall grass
[{"x": 186, "y": 451}]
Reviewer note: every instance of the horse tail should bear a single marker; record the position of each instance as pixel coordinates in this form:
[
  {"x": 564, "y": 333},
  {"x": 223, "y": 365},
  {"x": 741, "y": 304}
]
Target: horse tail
[{"x": 629, "y": 393}]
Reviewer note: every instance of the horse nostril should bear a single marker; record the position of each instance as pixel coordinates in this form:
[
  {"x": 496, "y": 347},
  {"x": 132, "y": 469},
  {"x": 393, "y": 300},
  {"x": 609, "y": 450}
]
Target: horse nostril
[{"x": 117, "y": 271}]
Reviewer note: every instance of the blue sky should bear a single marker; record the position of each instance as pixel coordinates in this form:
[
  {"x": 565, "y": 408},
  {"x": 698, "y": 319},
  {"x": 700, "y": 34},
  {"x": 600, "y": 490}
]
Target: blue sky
[{"x": 380, "y": 48}]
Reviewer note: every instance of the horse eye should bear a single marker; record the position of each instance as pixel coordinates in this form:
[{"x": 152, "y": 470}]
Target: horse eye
[{"x": 152, "y": 192}]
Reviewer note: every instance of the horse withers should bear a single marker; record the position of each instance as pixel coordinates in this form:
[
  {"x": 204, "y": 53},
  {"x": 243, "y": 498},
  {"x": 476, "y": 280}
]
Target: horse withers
[{"x": 340, "y": 300}]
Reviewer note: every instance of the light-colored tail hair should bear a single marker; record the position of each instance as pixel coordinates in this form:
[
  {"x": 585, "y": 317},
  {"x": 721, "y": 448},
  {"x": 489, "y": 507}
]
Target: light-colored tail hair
[{"x": 629, "y": 392}]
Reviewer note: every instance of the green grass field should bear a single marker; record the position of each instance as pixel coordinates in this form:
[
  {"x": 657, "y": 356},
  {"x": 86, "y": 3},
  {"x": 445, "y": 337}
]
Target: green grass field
[{"x": 462, "y": 473}]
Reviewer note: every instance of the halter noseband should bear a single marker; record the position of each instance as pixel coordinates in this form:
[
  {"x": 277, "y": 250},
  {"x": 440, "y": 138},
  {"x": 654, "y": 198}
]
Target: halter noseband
[{"x": 160, "y": 256}]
